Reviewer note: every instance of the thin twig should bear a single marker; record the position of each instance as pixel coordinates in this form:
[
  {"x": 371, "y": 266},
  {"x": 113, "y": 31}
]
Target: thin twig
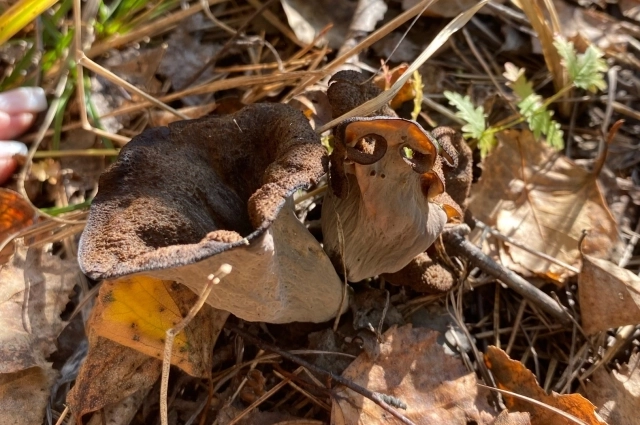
[
  {"x": 388, "y": 403},
  {"x": 213, "y": 280}
]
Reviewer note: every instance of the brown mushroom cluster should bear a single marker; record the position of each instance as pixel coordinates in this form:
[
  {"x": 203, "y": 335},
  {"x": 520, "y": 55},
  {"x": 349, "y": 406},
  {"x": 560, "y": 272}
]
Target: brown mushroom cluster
[
  {"x": 387, "y": 202},
  {"x": 182, "y": 200}
]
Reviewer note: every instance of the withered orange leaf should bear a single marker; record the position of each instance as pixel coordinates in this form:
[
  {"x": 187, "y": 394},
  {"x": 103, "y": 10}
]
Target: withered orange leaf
[
  {"x": 137, "y": 311},
  {"x": 15, "y": 215},
  {"x": 511, "y": 375},
  {"x": 388, "y": 78}
]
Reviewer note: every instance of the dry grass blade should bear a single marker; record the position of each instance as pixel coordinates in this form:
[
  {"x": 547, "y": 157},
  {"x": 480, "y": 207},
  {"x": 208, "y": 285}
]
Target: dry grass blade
[
  {"x": 545, "y": 35},
  {"x": 226, "y": 84},
  {"x": 156, "y": 27},
  {"x": 367, "y": 42},
  {"x": 214, "y": 279},
  {"x": 91, "y": 65},
  {"x": 374, "y": 104}
]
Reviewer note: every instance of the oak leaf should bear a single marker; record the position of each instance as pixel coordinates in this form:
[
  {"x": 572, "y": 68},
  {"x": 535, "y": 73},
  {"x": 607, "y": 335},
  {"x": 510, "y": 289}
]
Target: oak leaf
[
  {"x": 617, "y": 393},
  {"x": 110, "y": 373},
  {"x": 24, "y": 395},
  {"x": 35, "y": 290}
]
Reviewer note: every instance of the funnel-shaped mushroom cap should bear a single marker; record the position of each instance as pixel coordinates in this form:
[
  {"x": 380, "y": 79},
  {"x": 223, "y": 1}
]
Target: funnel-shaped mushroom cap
[{"x": 180, "y": 201}]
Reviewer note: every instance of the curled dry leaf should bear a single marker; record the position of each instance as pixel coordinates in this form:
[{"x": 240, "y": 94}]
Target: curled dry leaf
[
  {"x": 511, "y": 375},
  {"x": 35, "y": 290},
  {"x": 110, "y": 373},
  {"x": 137, "y": 311},
  {"x": 617, "y": 393},
  {"x": 544, "y": 200},
  {"x": 609, "y": 295},
  {"x": 377, "y": 164},
  {"x": 409, "y": 364},
  {"x": 181, "y": 201}
]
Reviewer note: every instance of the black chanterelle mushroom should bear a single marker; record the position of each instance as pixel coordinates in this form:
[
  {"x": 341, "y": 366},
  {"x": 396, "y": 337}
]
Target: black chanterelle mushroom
[
  {"x": 184, "y": 199},
  {"x": 387, "y": 202}
]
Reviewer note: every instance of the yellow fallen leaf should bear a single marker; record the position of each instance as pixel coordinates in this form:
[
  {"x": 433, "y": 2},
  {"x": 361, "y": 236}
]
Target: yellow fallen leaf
[{"x": 136, "y": 312}]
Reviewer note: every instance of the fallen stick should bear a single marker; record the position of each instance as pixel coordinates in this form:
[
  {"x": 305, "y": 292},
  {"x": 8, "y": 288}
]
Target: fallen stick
[{"x": 456, "y": 243}]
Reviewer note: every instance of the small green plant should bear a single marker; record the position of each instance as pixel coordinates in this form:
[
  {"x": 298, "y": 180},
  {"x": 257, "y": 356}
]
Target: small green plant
[{"x": 585, "y": 71}]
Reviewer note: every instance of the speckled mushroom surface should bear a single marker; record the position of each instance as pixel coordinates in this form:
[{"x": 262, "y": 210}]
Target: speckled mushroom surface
[{"x": 181, "y": 200}]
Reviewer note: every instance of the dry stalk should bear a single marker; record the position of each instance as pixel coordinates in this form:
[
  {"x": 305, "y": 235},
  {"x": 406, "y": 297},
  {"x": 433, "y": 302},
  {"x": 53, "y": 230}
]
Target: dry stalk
[
  {"x": 264, "y": 397},
  {"x": 458, "y": 244},
  {"x": 91, "y": 65},
  {"x": 383, "y": 98},
  {"x": 150, "y": 30},
  {"x": 80, "y": 93},
  {"x": 63, "y": 415},
  {"x": 213, "y": 280},
  {"x": 364, "y": 44},
  {"x": 304, "y": 392}
]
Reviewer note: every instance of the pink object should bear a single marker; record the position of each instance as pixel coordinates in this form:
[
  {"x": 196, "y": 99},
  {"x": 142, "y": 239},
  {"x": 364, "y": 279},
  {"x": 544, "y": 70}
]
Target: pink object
[{"x": 17, "y": 112}]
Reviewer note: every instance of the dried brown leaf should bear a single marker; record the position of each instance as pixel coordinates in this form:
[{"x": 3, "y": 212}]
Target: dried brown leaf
[
  {"x": 511, "y": 375},
  {"x": 617, "y": 394},
  {"x": 34, "y": 292},
  {"x": 110, "y": 373},
  {"x": 123, "y": 412},
  {"x": 410, "y": 365},
  {"x": 609, "y": 295},
  {"x": 24, "y": 395},
  {"x": 543, "y": 200},
  {"x": 513, "y": 418}
]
